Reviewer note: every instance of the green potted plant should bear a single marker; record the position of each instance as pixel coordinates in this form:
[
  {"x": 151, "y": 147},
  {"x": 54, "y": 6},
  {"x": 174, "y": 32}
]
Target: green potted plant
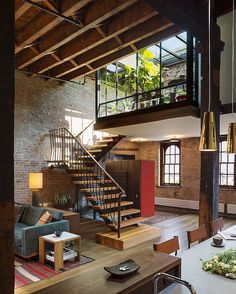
[{"x": 63, "y": 201}]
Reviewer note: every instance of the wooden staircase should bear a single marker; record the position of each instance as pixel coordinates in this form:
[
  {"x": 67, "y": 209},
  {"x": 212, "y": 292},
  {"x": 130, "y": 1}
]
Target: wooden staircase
[{"x": 101, "y": 190}]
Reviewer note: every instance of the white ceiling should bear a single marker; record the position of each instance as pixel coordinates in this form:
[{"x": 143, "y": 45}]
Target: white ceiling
[{"x": 183, "y": 127}]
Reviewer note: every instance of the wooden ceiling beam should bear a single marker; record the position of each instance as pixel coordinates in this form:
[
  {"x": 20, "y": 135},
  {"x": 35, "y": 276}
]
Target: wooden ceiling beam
[
  {"x": 44, "y": 22},
  {"x": 155, "y": 38},
  {"x": 148, "y": 28},
  {"x": 99, "y": 11},
  {"x": 186, "y": 14},
  {"x": 130, "y": 18},
  {"x": 20, "y": 8}
]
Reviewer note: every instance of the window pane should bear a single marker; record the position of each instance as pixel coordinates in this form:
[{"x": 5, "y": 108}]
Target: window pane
[
  {"x": 223, "y": 180},
  {"x": 223, "y": 169},
  {"x": 166, "y": 179},
  {"x": 231, "y": 157},
  {"x": 177, "y": 159},
  {"x": 230, "y": 180},
  {"x": 172, "y": 168},
  {"x": 223, "y": 157},
  {"x": 172, "y": 159},
  {"x": 231, "y": 168},
  {"x": 168, "y": 150},
  {"x": 172, "y": 179},
  {"x": 167, "y": 169},
  {"x": 177, "y": 169},
  {"x": 177, "y": 179},
  {"x": 167, "y": 159},
  {"x": 224, "y": 144}
]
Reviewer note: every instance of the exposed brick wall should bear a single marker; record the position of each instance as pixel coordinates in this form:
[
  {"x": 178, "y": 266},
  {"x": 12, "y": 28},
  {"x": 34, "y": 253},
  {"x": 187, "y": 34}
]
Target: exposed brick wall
[
  {"x": 40, "y": 106},
  {"x": 190, "y": 169}
]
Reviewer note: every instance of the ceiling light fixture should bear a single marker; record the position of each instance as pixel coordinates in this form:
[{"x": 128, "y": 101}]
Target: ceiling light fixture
[{"x": 208, "y": 135}]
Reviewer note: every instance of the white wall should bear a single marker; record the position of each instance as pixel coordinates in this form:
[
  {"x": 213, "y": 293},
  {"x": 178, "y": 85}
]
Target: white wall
[{"x": 225, "y": 23}]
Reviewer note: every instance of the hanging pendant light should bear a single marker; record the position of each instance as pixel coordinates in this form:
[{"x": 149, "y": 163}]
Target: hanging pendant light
[
  {"x": 208, "y": 135},
  {"x": 231, "y": 138}
]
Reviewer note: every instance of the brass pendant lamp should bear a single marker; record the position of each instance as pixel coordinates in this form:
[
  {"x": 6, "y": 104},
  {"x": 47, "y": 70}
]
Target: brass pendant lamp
[
  {"x": 231, "y": 138},
  {"x": 208, "y": 135}
]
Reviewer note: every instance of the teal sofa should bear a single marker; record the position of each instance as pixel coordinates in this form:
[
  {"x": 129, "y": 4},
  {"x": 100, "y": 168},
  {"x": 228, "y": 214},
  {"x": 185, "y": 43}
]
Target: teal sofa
[{"x": 27, "y": 233}]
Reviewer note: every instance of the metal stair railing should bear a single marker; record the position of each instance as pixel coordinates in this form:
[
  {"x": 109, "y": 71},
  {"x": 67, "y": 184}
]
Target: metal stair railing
[{"x": 68, "y": 152}]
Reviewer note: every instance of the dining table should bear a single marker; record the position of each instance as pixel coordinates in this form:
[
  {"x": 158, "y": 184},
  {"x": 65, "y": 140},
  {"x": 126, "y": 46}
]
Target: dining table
[{"x": 191, "y": 270}]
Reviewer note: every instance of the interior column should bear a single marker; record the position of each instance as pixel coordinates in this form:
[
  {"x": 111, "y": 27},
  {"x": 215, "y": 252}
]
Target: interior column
[
  {"x": 7, "y": 92},
  {"x": 209, "y": 180}
]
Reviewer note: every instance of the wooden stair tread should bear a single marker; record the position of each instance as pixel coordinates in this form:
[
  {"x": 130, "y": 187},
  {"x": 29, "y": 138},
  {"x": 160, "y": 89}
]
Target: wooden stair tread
[
  {"x": 94, "y": 181},
  {"x": 128, "y": 222},
  {"x": 105, "y": 197},
  {"x": 80, "y": 168},
  {"x": 122, "y": 213},
  {"x": 111, "y": 205},
  {"x": 99, "y": 189},
  {"x": 105, "y": 141},
  {"x": 95, "y": 150},
  {"x": 83, "y": 175},
  {"x": 99, "y": 146},
  {"x": 110, "y": 137}
]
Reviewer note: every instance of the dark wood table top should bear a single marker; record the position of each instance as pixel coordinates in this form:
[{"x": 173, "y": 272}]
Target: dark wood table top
[{"x": 92, "y": 278}]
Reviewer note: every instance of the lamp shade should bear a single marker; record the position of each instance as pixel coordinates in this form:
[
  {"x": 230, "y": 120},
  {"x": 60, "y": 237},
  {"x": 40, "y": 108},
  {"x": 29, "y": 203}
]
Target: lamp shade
[
  {"x": 35, "y": 181},
  {"x": 231, "y": 138},
  {"x": 208, "y": 136}
]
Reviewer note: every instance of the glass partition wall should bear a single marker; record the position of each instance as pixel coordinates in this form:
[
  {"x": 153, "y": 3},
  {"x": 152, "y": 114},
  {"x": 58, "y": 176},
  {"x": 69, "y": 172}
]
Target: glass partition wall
[{"x": 164, "y": 73}]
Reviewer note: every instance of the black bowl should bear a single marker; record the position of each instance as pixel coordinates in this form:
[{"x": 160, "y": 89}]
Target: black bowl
[
  {"x": 58, "y": 233},
  {"x": 123, "y": 269}
]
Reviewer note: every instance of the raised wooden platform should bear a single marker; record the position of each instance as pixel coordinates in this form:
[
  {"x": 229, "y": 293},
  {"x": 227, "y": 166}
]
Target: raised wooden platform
[{"x": 130, "y": 236}]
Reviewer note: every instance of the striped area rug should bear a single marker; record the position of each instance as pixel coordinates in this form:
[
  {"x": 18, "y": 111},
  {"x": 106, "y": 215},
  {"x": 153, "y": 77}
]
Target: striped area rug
[{"x": 27, "y": 273}]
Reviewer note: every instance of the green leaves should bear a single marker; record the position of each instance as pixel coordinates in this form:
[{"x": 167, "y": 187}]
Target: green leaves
[{"x": 222, "y": 264}]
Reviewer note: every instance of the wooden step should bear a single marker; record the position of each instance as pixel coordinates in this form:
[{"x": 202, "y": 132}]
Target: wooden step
[
  {"x": 83, "y": 175},
  {"x": 128, "y": 222},
  {"x": 109, "y": 137},
  {"x": 99, "y": 146},
  {"x": 80, "y": 168},
  {"x": 104, "y": 141},
  {"x": 112, "y": 205},
  {"x": 105, "y": 197},
  {"x": 95, "y": 150},
  {"x": 122, "y": 213},
  {"x": 99, "y": 181},
  {"x": 98, "y": 188}
]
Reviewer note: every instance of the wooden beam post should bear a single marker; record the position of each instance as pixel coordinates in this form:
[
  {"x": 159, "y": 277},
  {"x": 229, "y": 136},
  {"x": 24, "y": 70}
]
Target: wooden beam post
[
  {"x": 209, "y": 182},
  {"x": 7, "y": 92}
]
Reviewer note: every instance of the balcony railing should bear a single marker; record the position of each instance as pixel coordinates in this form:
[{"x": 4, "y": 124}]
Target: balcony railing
[{"x": 166, "y": 95}]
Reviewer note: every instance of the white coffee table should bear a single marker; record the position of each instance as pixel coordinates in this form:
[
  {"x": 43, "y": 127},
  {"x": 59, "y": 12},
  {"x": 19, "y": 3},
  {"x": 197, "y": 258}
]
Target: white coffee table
[{"x": 58, "y": 243}]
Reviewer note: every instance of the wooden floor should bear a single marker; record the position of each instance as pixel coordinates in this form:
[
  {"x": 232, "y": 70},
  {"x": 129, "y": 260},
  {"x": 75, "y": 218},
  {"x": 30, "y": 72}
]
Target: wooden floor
[{"x": 61, "y": 283}]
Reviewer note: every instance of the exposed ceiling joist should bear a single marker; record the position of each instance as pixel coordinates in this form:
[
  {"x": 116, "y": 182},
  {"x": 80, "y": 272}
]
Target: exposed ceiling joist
[
  {"x": 148, "y": 28},
  {"x": 42, "y": 23},
  {"x": 155, "y": 38},
  {"x": 130, "y": 18},
  {"x": 99, "y": 11},
  {"x": 20, "y": 8}
]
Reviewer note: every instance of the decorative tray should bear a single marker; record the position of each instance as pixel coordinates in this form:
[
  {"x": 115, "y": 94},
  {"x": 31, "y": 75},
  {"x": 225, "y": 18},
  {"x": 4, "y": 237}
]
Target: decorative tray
[{"x": 123, "y": 269}]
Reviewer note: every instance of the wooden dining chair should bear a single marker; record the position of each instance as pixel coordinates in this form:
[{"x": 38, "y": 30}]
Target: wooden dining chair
[
  {"x": 168, "y": 247},
  {"x": 195, "y": 235},
  {"x": 216, "y": 226}
]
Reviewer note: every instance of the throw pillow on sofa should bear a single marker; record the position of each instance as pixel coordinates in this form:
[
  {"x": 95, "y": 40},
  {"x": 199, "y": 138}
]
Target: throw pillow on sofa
[
  {"x": 18, "y": 212},
  {"x": 45, "y": 218},
  {"x": 31, "y": 215}
]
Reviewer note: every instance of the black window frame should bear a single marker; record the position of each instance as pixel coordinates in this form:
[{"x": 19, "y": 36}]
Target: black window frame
[{"x": 163, "y": 148}]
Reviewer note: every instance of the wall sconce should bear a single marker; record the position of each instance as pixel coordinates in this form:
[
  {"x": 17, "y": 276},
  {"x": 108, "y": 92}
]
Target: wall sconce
[{"x": 35, "y": 183}]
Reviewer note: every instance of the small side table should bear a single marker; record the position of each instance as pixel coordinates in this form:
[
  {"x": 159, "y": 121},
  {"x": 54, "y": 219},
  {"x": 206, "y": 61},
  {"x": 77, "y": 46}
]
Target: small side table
[{"x": 58, "y": 243}]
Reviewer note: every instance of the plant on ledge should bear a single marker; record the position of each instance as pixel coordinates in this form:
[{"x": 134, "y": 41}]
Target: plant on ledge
[
  {"x": 63, "y": 201},
  {"x": 223, "y": 264}
]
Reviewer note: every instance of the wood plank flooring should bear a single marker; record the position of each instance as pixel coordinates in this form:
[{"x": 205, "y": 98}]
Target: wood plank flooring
[{"x": 60, "y": 283}]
